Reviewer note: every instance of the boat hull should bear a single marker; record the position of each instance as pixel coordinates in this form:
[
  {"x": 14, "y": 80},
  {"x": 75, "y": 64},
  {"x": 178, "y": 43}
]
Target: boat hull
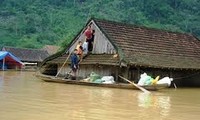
[{"x": 54, "y": 79}]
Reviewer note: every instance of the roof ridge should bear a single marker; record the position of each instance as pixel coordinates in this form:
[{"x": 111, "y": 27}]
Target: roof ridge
[
  {"x": 24, "y": 48},
  {"x": 138, "y": 26}
]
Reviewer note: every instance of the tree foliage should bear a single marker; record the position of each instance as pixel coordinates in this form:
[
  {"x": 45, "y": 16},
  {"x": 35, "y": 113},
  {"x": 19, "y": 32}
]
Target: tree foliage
[{"x": 34, "y": 23}]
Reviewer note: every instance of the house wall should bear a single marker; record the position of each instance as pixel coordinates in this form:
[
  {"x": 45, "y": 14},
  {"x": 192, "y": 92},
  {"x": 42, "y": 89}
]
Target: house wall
[
  {"x": 49, "y": 69},
  {"x": 189, "y": 78},
  {"x": 181, "y": 77},
  {"x": 193, "y": 80},
  {"x": 101, "y": 43},
  {"x": 85, "y": 70}
]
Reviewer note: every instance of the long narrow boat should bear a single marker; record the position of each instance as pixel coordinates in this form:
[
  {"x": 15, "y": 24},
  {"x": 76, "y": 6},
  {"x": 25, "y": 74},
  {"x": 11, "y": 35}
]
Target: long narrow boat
[{"x": 48, "y": 78}]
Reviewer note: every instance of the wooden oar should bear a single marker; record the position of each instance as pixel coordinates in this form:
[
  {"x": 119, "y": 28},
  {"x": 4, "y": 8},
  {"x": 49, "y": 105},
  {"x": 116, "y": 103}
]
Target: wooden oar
[
  {"x": 139, "y": 87},
  {"x": 63, "y": 64}
]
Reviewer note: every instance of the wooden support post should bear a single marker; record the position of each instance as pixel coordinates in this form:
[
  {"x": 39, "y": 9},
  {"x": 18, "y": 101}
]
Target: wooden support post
[
  {"x": 128, "y": 72},
  {"x": 124, "y": 71},
  {"x": 116, "y": 74},
  {"x": 138, "y": 73},
  {"x": 170, "y": 73}
]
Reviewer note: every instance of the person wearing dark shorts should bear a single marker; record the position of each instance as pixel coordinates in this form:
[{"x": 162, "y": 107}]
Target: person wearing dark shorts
[{"x": 74, "y": 64}]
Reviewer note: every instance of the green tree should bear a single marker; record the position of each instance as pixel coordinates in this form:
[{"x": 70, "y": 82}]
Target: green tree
[{"x": 34, "y": 23}]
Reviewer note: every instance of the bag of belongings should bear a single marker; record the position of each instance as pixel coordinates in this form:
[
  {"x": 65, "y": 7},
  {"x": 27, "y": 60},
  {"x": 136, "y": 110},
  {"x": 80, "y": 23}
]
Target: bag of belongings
[
  {"x": 94, "y": 76},
  {"x": 165, "y": 80},
  {"x": 148, "y": 80},
  {"x": 105, "y": 80},
  {"x": 145, "y": 79},
  {"x": 108, "y": 79}
]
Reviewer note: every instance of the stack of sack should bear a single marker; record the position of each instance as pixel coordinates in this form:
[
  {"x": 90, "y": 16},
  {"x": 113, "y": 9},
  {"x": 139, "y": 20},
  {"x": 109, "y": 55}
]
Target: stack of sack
[
  {"x": 165, "y": 80},
  {"x": 94, "y": 76},
  {"x": 105, "y": 79},
  {"x": 108, "y": 79}
]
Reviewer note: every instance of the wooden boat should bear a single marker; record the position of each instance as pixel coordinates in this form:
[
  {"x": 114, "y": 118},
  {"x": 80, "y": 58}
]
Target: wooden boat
[{"x": 48, "y": 78}]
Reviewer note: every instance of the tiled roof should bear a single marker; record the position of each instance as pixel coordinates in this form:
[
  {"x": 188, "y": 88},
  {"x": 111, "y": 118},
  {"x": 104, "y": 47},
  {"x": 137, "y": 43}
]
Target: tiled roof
[
  {"x": 51, "y": 49},
  {"x": 143, "y": 46},
  {"x": 28, "y": 55}
]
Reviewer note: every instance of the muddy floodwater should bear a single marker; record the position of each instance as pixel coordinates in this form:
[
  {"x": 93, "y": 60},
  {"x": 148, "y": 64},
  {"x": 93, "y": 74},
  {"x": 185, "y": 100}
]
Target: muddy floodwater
[{"x": 25, "y": 97}]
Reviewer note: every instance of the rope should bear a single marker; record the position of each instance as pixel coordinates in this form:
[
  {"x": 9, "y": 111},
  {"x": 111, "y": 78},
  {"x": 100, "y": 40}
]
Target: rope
[{"x": 178, "y": 78}]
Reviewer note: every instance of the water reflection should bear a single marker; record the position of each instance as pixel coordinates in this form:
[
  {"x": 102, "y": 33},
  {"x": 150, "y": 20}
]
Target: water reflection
[
  {"x": 158, "y": 102},
  {"x": 1, "y": 81},
  {"x": 1, "y": 78}
]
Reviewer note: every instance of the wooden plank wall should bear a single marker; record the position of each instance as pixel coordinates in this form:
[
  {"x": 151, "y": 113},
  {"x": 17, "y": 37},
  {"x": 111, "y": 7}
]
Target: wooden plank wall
[
  {"x": 101, "y": 43},
  {"x": 85, "y": 70}
]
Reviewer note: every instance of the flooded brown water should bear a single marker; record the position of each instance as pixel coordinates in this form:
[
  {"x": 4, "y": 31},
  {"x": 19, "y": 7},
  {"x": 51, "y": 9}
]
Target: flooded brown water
[{"x": 25, "y": 97}]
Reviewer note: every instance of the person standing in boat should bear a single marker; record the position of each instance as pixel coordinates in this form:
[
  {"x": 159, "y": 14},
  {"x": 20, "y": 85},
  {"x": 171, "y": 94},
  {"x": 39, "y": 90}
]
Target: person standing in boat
[{"x": 74, "y": 64}]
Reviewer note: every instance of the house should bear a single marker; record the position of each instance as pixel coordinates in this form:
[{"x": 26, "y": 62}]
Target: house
[
  {"x": 130, "y": 50},
  {"x": 30, "y": 57},
  {"x": 9, "y": 61}
]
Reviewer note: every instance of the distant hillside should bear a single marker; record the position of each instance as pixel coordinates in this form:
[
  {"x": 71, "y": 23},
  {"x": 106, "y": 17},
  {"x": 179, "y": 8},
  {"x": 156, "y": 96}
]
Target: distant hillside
[{"x": 34, "y": 23}]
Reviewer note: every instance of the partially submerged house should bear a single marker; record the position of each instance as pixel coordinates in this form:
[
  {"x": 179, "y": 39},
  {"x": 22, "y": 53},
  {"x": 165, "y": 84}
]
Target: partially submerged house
[
  {"x": 129, "y": 50},
  {"x": 9, "y": 61},
  {"x": 30, "y": 57}
]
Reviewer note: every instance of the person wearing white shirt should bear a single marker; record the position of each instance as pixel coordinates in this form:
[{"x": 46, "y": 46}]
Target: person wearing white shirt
[{"x": 85, "y": 48}]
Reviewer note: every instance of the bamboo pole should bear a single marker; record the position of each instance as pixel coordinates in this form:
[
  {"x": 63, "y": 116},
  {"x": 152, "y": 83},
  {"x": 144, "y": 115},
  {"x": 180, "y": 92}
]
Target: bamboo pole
[
  {"x": 139, "y": 87},
  {"x": 63, "y": 64}
]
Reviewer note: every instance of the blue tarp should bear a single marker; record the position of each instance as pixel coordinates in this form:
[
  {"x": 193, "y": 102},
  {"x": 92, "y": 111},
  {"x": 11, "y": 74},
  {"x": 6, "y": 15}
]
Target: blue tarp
[{"x": 9, "y": 57}]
